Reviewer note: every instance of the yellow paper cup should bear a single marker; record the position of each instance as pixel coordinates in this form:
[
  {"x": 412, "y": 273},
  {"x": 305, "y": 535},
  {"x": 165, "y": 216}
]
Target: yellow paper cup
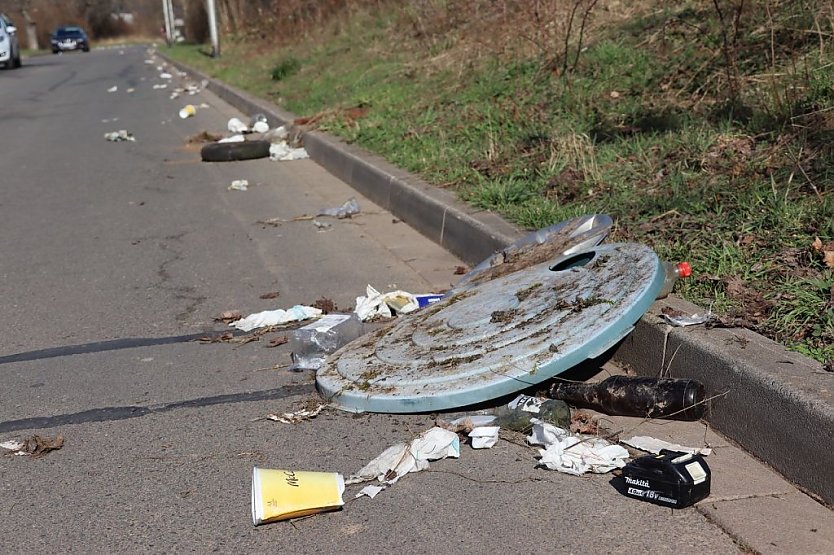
[
  {"x": 188, "y": 111},
  {"x": 285, "y": 494}
]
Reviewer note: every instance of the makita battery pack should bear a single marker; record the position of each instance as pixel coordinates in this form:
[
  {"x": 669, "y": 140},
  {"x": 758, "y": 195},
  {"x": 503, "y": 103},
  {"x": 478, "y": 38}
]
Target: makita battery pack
[{"x": 671, "y": 479}]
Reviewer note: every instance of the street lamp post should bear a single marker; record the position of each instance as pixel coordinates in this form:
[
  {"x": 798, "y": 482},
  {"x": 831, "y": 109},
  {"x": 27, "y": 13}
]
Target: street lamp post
[
  {"x": 212, "y": 21},
  {"x": 167, "y": 16}
]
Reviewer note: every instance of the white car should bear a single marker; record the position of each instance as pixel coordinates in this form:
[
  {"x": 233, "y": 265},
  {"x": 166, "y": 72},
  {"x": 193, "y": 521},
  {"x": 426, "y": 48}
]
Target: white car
[{"x": 9, "y": 45}]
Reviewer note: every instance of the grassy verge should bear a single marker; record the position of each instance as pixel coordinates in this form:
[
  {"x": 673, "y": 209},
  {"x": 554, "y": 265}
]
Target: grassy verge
[{"x": 706, "y": 135}]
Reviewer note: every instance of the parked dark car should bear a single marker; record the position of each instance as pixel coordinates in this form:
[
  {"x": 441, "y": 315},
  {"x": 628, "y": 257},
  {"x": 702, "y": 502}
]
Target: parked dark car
[{"x": 69, "y": 38}]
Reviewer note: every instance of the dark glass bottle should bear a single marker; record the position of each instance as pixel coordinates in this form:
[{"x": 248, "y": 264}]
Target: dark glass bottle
[{"x": 672, "y": 398}]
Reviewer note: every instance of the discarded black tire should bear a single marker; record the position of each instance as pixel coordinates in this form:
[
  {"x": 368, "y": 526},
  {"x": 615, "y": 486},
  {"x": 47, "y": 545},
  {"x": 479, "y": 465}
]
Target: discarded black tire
[{"x": 229, "y": 152}]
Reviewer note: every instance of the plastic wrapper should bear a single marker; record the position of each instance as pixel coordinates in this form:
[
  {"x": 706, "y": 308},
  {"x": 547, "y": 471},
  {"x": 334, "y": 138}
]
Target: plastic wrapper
[{"x": 348, "y": 209}]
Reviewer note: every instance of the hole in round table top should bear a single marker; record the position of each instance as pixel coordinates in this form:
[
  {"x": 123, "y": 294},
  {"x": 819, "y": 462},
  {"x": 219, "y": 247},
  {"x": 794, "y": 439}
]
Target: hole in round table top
[{"x": 574, "y": 261}]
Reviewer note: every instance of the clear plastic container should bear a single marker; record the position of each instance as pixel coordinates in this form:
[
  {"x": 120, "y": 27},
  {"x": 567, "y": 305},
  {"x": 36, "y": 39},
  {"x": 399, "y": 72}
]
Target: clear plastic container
[
  {"x": 310, "y": 344},
  {"x": 673, "y": 271}
]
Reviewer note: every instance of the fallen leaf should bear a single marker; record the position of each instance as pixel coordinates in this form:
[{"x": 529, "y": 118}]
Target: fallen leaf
[
  {"x": 325, "y": 305},
  {"x": 460, "y": 270},
  {"x": 272, "y": 295},
  {"x": 274, "y": 222},
  {"x": 583, "y": 423},
  {"x": 817, "y": 244},
  {"x": 280, "y": 340},
  {"x": 204, "y": 137},
  {"x": 669, "y": 311},
  {"x": 218, "y": 338},
  {"x": 827, "y": 251},
  {"x": 229, "y": 316}
]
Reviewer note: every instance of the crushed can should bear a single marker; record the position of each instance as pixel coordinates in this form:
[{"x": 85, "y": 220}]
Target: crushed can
[{"x": 671, "y": 479}]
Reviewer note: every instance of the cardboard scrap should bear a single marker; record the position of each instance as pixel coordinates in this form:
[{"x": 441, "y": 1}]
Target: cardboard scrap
[
  {"x": 654, "y": 445},
  {"x": 35, "y": 445}
]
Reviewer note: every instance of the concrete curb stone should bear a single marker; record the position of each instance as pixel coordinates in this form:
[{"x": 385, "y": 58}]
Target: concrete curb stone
[{"x": 775, "y": 403}]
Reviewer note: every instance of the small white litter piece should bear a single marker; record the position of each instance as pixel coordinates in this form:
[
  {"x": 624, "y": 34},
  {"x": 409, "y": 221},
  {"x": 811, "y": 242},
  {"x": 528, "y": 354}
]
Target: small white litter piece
[
  {"x": 113, "y": 89},
  {"x": 13, "y": 445},
  {"x": 232, "y": 139},
  {"x": 282, "y": 152},
  {"x": 151, "y": 62},
  {"x": 239, "y": 185},
  {"x": 297, "y": 313},
  {"x": 160, "y": 86},
  {"x": 401, "y": 459},
  {"x": 484, "y": 437},
  {"x": 130, "y": 90},
  {"x": 384, "y": 305},
  {"x": 236, "y": 126},
  {"x": 260, "y": 127},
  {"x": 654, "y": 445},
  {"x": 572, "y": 454},
  {"x": 322, "y": 226},
  {"x": 165, "y": 75},
  {"x": 120, "y": 135},
  {"x": 369, "y": 491}
]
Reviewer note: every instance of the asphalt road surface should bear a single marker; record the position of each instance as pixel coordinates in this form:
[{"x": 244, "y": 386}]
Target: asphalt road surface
[{"x": 114, "y": 257}]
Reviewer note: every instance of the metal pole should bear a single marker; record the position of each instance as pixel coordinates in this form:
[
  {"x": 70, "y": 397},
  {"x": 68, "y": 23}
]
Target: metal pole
[
  {"x": 166, "y": 14},
  {"x": 212, "y": 21}
]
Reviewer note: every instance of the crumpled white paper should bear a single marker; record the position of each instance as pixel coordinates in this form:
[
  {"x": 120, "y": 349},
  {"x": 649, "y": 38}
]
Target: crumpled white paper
[
  {"x": 384, "y": 305},
  {"x": 654, "y": 445},
  {"x": 484, "y": 437},
  {"x": 546, "y": 434},
  {"x": 276, "y": 317},
  {"x": 260, "y": 127},
  {"x": 283, "y": 152},
  {"x": 401, "y": 459},
  {"x": 237, "y": 126},
  {"x": 575, "y": 455},
  {"x": 233, "y": 139},
  {"x": 239, "y": 185}
]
